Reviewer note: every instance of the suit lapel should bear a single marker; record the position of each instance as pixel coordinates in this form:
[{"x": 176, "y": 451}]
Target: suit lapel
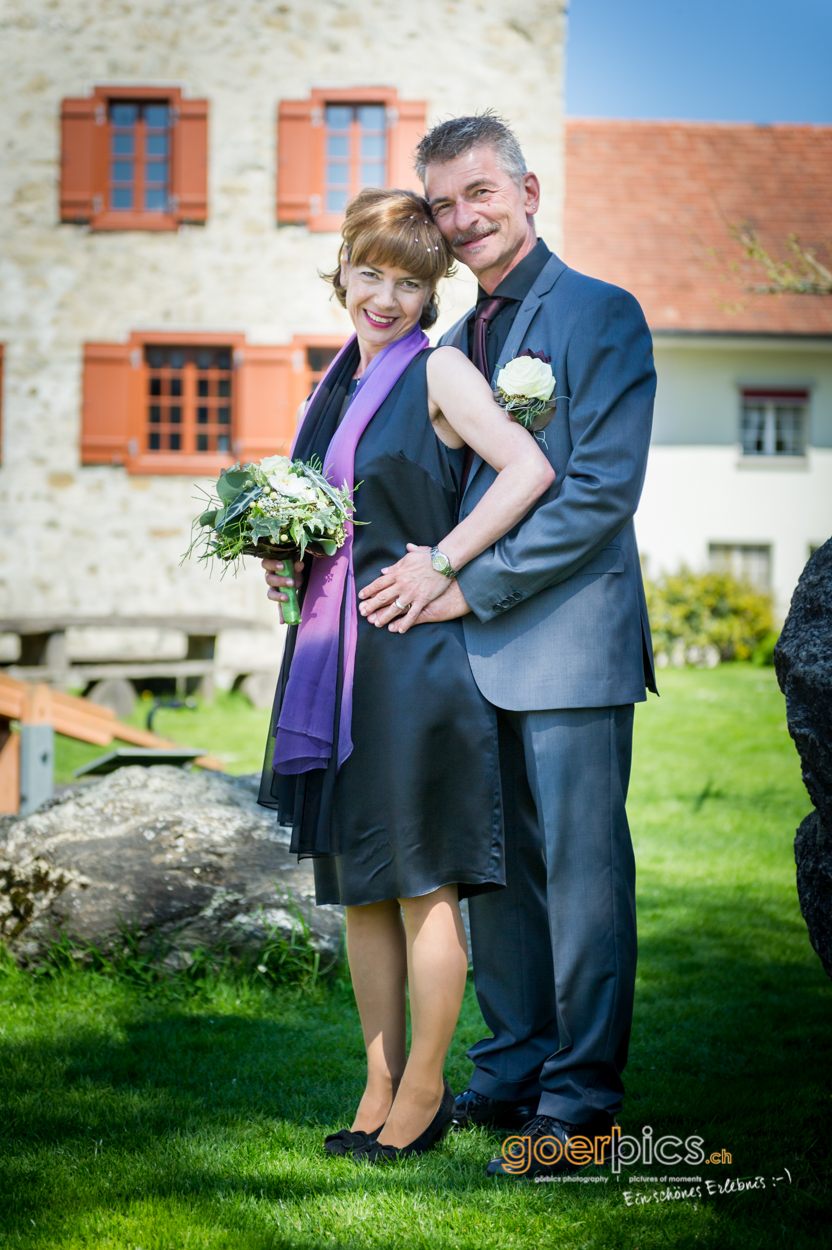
[{"x": 547, "y": 278}]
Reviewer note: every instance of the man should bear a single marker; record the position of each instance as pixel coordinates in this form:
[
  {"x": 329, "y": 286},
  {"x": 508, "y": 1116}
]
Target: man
[{"x": 557, "y": 633}]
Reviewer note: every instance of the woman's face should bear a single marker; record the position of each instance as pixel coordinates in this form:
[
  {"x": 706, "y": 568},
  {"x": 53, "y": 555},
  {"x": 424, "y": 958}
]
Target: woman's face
[{"x": 384, "y": 302}]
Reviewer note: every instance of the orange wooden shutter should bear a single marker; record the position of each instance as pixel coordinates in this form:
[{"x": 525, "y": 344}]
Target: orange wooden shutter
[
  {"x": 106, "y": 402},
  {"x": 404, "y": 133},
  {"x": 294, "y": 160},
  {"x": 190, "y": 161},
  {"x": 79, "y": 123},
  {"x": 264, "y": 421}
]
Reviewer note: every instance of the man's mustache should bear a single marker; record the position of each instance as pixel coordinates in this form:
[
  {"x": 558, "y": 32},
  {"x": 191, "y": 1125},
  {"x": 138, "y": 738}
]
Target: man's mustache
[{"x": 475, "y": 232}]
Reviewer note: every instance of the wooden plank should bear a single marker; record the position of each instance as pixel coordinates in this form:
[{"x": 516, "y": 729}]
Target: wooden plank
[
  {"x": 9, "y": 771},
  {"x": 37, "y": 706},
  {"x": 11, "y": 697}
]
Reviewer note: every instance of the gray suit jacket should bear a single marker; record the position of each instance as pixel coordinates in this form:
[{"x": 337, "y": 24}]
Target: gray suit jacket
[{"x": 558, "y": 615}]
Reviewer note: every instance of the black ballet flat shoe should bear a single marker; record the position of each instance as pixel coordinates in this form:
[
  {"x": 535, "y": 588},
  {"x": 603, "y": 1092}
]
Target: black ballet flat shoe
[
  {"x": 347, "y": 1140},
  {"x": 374, "y": 1152}
]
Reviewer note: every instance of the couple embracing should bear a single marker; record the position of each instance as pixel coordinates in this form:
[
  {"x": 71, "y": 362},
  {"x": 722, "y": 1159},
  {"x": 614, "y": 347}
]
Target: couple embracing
[{"x": 454, "y": 713}]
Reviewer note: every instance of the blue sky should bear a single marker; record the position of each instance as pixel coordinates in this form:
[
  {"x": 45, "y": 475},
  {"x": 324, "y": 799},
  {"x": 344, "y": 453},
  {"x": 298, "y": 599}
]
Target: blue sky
[{"x": 713, "y": 60}]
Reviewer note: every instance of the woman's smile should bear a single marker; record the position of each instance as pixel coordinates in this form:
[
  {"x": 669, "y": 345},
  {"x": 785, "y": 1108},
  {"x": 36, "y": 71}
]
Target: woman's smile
[{"x": 379, "y": 319}]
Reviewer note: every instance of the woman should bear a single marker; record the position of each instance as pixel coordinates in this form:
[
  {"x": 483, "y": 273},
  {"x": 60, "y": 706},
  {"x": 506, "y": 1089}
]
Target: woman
[{"x": 384, "y": 753}]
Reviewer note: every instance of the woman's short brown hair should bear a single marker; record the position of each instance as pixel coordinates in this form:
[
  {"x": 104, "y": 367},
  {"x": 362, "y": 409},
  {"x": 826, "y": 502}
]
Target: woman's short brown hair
[{"x": 394, "y": 228}]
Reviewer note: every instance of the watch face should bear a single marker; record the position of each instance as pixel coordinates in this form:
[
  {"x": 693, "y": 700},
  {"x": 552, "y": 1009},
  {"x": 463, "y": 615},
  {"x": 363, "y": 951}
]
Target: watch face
[{"x": 440, "y": 562}]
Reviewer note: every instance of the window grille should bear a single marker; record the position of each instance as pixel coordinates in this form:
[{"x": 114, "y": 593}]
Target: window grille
[
  {"x": 139, "y": 156},
  {"x": 189, "y": 399},
  {"x": 356, "y": 152}
]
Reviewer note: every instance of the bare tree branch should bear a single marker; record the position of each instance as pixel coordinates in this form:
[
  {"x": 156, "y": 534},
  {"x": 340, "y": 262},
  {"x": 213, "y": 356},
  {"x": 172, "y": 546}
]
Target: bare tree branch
[{"x": 805, "y": 275}]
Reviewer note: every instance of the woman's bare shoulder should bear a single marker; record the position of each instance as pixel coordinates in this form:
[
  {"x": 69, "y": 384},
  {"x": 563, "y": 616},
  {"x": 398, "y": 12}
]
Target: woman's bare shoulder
[{"x": 449, "y": 362}]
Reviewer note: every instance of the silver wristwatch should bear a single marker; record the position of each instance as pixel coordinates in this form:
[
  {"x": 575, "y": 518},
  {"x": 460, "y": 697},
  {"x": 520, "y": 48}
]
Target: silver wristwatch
[{"x": 441, "y": 563}]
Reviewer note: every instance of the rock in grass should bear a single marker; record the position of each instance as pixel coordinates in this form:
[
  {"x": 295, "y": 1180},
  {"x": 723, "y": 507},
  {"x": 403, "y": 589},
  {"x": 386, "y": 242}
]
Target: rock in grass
[
  {"x": 803, "y": 660},
  {"x": 188, "y": 856}
]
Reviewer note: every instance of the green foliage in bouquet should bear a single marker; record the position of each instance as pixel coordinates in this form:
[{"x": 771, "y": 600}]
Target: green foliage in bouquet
[
  {"x": 692, "y": 614},
  {"x": 272, "y": 508}
]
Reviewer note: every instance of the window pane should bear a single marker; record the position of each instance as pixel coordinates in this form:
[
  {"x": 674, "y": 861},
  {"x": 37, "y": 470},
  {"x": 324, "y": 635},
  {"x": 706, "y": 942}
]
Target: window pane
[
  {"x": 202, "y": 387},
  {"x": 338, "y": 116},
  {"x": 337, "y": 175},
  {"x": 121, "y": 143},
  {"x": 154, "y": 442},
  {"x": 752, "y": 430},
  {"x": 156, "y": 171},
  {"x": 373, "y": 147},
  {"x": 224, "y": 359},
  {"x": 224, "y": 416},
  {"x": 224, "y": 388},
  {"x": 175, "y": 441},
  {"x": 155, "y": 386},
  {"x": 175, "y": 415},
  {"x": 338, "y": 145},
  {"x": 371, "y": 116},
  {"x": 122, "y": 198},
  {"x": 203, "y": 360},
  {"x": 155, "y": 200},
  {"x": 372, "y": 175},
  {"x": 336, "y": 201},
  {"x": 175, "y": 385},
  {"x": 788, "y": 432},
  {"x": 746, "y": 562},
  {"x": 155, "y": 145},
  {"x": 156, "y": 115},
  {"x": 202, "y": 416},
  {"x": 202, "y": 442},
  {"x": 155, "y": 357},
  {"x": 122, "y": 171},
  {"x": 223, "y": 442},
  {"x": 155, "y": 414},
  {"x": 177, "y": 359},
  {"x": 123, "y": 114}
]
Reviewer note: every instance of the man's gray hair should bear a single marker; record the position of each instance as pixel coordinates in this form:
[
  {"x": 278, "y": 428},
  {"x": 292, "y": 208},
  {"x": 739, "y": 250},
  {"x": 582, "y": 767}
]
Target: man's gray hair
[{"x": 459, "y": 135}]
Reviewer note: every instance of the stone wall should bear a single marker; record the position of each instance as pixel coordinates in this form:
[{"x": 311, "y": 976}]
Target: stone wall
[{"x": 93, "y": 539}]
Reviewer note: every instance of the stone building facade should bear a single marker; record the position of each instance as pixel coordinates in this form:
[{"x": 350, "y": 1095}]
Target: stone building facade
[{"x": 105, "y": 539}]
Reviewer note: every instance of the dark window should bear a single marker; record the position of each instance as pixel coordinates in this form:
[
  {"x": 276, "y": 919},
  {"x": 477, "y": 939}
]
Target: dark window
[
  {"x": 318, "y": 360},
  {"x": 355, "y": 153},
  {"x": 139, "y": 157},
  {"x": 190, "y": 394},
  {"x": 773, "y": 423}
]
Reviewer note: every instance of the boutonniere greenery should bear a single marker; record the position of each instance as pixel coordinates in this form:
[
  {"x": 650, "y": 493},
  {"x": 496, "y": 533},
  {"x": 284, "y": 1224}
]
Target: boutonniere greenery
[{"x": 525, "y": 389}]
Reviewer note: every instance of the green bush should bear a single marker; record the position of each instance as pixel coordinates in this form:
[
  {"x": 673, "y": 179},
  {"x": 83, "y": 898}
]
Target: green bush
[{"x": 702, "y": 618}]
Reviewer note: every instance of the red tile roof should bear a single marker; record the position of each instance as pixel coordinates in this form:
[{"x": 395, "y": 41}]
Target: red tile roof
[{"x": 647, "y": 205}]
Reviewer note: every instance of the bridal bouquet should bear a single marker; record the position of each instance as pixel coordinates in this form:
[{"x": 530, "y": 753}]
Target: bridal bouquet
[
  {"x": 525, "y": 388},
  {"x": 277, "y": 508}
]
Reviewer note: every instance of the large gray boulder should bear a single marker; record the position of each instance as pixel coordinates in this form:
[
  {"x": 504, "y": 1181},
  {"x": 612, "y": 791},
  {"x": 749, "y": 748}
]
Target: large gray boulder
[
  {"x": 185, "y": 855},
  {"x": 803, "y": 659}
]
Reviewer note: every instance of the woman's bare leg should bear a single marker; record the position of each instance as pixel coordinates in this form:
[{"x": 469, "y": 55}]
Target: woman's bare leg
[
  {"x": 437, "y": 964},
  {"x": 378, "y": 966}
]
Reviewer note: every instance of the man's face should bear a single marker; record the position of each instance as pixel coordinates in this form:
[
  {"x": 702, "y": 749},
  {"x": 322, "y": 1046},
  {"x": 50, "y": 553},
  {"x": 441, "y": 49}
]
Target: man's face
[{"x": 481, "y": 211}]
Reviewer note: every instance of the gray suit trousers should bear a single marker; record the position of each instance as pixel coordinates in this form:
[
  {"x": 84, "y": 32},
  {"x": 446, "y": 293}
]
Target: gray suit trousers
[{"x": 555, "y": 952}]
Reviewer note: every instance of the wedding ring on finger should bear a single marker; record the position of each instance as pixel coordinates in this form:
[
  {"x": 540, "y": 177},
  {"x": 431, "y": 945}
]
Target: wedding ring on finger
[{"x": 403, "y": 607}]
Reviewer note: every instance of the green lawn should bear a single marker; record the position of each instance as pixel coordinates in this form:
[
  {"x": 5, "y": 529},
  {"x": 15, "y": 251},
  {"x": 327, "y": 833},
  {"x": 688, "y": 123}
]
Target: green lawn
[
  {"x": 194, "y": 1118},
  {"x": 229, "y": 728}
]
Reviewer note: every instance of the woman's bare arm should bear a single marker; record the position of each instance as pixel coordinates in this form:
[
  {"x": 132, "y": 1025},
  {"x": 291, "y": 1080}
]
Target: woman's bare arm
[{"x": 463, "y": 410}]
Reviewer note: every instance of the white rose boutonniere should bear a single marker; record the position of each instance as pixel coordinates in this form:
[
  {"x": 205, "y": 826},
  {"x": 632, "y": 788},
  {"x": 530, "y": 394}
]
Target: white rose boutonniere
[{"x": 525, "y": 388}]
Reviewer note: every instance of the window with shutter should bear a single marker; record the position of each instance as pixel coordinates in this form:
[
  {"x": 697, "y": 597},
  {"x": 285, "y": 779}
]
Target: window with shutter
[
  {"x": 134, "y": 159},
  {"x": 338, "y": 141},
  {"x": 185, "y": 404}
]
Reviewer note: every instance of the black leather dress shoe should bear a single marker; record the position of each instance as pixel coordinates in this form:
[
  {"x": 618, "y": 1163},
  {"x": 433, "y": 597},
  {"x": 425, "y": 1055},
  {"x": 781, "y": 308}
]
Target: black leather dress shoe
[
  {"x": 375, "y": 1152},
  {"x": 550, "y": 1147},
  {"x": 346, "y": 1140},
  {"x": 473, "y": 1108}
]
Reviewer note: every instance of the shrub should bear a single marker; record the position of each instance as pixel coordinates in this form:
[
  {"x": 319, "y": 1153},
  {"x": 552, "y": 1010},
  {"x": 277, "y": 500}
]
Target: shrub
[{"x": 702, "y": 618}]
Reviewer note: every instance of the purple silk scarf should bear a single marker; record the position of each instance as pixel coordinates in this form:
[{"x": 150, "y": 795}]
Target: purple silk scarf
[{"x": 306, "y": 726}]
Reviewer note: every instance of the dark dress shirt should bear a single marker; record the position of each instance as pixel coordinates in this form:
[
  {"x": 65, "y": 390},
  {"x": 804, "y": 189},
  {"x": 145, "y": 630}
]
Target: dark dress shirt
[{"x": 514, "y": 288}]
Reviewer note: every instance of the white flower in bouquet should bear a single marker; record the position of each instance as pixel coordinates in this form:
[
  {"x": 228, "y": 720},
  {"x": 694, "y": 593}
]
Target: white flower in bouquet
[
  {"x": 275, "y": 464},
  {"x": 293, "y": 486},
  {"x": 526, "y": 377}
]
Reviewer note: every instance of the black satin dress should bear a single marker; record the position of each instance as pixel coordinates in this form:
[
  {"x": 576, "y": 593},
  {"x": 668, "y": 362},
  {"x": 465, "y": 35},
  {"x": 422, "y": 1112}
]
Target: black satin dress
[{"x": 417, "y": 804}]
